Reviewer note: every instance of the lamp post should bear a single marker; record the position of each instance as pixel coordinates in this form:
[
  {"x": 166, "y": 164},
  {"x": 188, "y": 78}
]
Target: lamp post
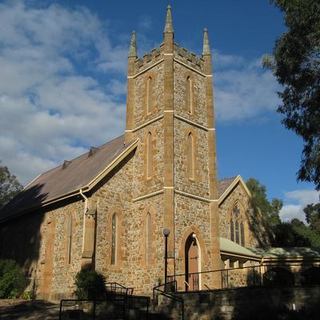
[{"x": 166, "y": 233}]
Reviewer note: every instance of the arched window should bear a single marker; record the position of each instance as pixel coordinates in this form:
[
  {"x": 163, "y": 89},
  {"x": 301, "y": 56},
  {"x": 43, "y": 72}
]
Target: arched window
[
  {"x": 231, "y": 230},
  {"x": 237, "y": 226},
  {"x": 242, "y": 233},
  {"x": 189, "y": 95},
  {"x": 149, "y": 89},
  {"x": 69, "y": 239},
  {"x": 191, "y": 156},
  {"x": 148, "y": 239},
  {"x": 149, "y": 156},
  {"x": 114, "y": 243}
]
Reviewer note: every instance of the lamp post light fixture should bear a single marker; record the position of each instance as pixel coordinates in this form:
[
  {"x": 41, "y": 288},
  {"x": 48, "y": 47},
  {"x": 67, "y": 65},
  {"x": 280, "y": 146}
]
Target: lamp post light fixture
[{"x": 166, "y": 233}]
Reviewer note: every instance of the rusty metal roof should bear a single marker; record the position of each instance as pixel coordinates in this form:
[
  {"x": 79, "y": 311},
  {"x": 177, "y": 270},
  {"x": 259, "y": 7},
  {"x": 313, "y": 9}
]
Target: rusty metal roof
[{"x": 69, "y": 177}]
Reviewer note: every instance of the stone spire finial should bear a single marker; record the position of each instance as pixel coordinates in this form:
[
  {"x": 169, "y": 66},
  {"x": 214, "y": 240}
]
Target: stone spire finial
[
  {"x": 206, "y": 46},
  {"x": 133, "y": 45},
  {"x": 168, "y": 26}
]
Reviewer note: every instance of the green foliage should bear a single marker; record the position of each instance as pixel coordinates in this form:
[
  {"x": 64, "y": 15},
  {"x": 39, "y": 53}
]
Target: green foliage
[
  {"x": 28, "y": 295},
  {"x": 90, "y": 285},
  {"x": 12, "y": 279},
  {"x": 260, "y": 202},
  {"x": 9, "y": 186},
  {"x": 296, "y": 65},
  {"x": 266, "y": 213},
  {"x": 312, "y": 212},
  {"x": 295, "y": 234}
]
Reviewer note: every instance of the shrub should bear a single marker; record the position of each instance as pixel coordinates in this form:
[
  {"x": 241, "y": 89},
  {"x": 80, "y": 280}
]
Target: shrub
[
  {"x": 12, "y": 279},
  {"x": 28, "y": 295},
  {"x": 90, "y": 285}
]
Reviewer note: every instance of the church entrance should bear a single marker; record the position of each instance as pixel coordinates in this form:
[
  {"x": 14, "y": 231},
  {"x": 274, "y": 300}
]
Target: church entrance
[{"x": 192, "y": 263}]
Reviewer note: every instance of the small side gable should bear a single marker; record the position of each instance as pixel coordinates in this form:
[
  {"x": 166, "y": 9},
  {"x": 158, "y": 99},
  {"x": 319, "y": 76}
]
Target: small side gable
[{"x": 237, "y": 180}]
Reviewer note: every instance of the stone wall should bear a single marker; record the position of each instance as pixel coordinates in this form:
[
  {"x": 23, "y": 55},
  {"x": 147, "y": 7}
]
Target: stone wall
[
  {"x": 130, "y": 269},
  {"x": 43, "y": 254},
  {"x": 251, "y": 303}
]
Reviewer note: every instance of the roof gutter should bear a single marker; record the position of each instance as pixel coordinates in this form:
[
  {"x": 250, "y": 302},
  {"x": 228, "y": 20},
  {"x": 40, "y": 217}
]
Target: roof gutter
[
  {"x": 85, "y": 200},
  {"x": 241, "y": 255}
]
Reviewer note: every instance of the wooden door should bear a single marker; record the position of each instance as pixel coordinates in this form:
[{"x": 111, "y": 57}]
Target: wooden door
[{"x": 192, "y": 264}]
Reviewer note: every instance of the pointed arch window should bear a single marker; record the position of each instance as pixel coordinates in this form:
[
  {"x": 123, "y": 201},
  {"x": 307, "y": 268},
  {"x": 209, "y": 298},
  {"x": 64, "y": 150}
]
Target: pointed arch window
[
  {"x": 148, "y": 239},
  {"x": 191, "y": 156},
  {"x": 242, "y": 233},
  {"x": 149, "y": 155},
  {"x": 189, "y": 95},
  {"x": 237, "y": 233},
  {"x": 69, "y": 239},
  {"x": 114, "y": 243},
  {"x": 149, "y": 90}
]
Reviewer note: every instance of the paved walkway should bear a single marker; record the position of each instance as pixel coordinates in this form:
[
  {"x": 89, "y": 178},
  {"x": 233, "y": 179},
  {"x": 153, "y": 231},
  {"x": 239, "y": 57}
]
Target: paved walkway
[{"x": 28, "y": 310}]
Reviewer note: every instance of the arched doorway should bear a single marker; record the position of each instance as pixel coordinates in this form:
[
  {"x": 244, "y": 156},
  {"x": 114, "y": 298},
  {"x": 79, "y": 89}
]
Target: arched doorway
[{"x": 192, "y": 263}]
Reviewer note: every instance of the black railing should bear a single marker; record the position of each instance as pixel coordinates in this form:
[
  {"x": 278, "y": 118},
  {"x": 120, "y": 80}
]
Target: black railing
[
  {"x": 167, "y": 290},
  {"x": 250, "y": 276},
  {"x": 117, "y": 288},
  {"x": 225, "y": 278},
  {"x": 119, "y": 303}
]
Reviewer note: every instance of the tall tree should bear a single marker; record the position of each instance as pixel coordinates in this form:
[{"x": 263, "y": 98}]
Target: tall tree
[
  {"x": 266, "y": 213},
  {"x": 9, "y": 186},
  {"x": 312, "y": 212},
  {"x": 296, "y": 65},
  {"x": 259, "y": 201}
]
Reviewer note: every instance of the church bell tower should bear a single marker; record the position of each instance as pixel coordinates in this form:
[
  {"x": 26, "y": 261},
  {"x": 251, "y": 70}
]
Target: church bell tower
[{"x": 170, "y": 111}]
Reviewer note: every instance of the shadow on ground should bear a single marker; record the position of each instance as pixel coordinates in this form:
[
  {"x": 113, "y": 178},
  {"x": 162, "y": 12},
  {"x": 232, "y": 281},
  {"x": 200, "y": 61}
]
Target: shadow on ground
[{"x": 28, "y": 310}]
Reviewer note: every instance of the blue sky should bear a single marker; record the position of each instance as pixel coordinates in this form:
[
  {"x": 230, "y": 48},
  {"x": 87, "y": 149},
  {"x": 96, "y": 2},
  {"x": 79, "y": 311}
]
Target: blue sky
[{"x": 62, "y": 83}]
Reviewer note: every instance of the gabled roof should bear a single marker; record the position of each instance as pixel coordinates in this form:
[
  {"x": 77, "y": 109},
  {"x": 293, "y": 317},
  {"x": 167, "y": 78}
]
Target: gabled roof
[
  {"x": 225, "y": 186},
  {"x": 66, "y": 180}
]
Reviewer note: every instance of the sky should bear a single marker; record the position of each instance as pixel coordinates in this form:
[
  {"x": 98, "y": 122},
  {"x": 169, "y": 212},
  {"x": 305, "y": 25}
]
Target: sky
[{"x": 63, "y": 83}]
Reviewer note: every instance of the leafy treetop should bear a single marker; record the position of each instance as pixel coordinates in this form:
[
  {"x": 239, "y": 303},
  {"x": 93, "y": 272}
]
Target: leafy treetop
[
  {"x": 9, "y": 186},
  {"x": 296, "y": 65}
]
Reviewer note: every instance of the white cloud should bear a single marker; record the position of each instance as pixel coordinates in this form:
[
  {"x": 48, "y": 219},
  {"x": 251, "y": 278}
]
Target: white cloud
[
  {"x": 62, "y": 87},
  {"x": 295, "y": 202},
  {"x": 243, "y": 89},
  {"x": 52, "y": 102}
]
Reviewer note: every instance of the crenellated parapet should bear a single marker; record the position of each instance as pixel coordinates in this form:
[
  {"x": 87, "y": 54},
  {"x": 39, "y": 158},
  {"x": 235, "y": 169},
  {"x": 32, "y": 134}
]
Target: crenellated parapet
[{"x": 188, "y": 57}]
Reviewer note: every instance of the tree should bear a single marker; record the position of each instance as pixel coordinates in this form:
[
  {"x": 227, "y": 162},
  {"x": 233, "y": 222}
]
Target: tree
[
  {"x": 296, "y": 65},
  {"x": 312, "y": 212},
  {"x": 266, "y": 213},
  {"x": 259, "y": 201},
  {"x": 9, "y": 186}
]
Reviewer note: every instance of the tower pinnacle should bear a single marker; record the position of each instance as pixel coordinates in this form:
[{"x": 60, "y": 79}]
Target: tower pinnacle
[
  {"x": 168, "y": 26},
  {"x": 206, "y": 46},
  {"x": 133, "y": 45}
]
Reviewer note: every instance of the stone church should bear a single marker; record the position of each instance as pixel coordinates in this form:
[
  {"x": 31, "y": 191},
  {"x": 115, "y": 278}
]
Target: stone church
[{"x": 109, "y": 207}]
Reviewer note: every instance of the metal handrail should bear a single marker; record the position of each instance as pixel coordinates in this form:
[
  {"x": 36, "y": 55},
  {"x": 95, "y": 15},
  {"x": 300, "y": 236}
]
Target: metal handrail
[
  {"x": 169, "y": 295},
  {"x": 224, "y": 274},
  {"x": 115, "y": 285},
  {"x": 97, "y": 301},
  {"x": 211, "y": 271}
]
